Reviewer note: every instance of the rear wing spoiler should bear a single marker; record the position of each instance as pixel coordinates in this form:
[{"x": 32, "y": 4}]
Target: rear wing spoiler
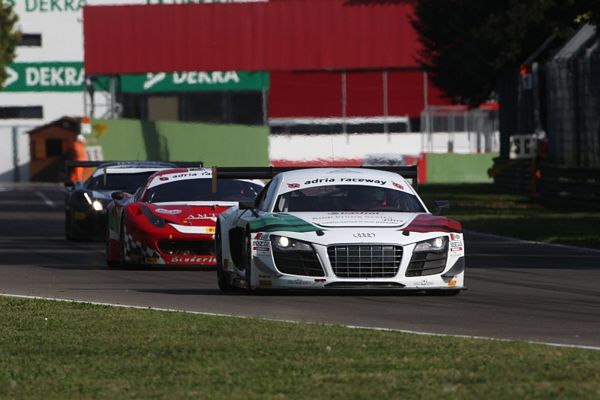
[
  {"x": 407, "y": 171},
  {"x": 69, "y": 165}
]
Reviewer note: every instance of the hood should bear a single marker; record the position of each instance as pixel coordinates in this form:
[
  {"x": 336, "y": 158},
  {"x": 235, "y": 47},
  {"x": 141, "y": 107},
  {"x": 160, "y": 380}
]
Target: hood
[
  {"x": 334, "y": 219},
  {"x": 201, "y": 215}
]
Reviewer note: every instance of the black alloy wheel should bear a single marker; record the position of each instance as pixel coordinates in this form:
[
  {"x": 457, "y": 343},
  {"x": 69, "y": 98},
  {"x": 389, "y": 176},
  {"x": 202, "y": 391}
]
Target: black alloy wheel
[{"x": 222, "y": 275}]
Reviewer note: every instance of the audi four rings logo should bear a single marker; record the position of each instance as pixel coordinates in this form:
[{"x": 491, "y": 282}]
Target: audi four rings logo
[{"x": 364, "y": 235}]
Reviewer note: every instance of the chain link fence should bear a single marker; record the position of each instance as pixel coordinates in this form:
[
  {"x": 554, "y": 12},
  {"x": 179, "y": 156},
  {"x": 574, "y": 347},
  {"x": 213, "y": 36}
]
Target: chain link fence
[
  {"x": 480, "y": 126},
  {"x": 573, "y": 101}
]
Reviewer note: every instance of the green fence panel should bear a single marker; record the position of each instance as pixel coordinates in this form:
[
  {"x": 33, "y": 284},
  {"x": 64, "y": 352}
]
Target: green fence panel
[
  {"x": 222, "y": 145},
  {"x": 459, "y": 168}
]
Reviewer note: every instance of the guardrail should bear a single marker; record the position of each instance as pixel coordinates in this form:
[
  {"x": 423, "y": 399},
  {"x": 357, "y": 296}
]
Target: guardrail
[
  {"x": 570, "y": 187},
  {"x": 513, "y": 176}
]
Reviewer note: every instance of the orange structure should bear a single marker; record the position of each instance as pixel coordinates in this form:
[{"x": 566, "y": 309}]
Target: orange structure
[{"x": 50, "y": 145}]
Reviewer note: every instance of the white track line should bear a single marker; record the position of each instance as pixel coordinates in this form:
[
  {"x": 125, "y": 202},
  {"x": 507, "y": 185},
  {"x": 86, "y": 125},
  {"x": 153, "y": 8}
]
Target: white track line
[
  {"x": 575, "y": 346},
  {"x": 46, "y": 200}
]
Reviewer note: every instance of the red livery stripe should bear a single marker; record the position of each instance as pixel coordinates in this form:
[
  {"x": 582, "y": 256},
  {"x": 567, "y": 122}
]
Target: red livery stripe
[{"x": 433, "y": 223}]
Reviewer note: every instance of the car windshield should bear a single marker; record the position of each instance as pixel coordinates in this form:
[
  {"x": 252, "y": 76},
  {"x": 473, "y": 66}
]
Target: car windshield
[
  {"x": 124, "y": 182},
  {"x": 348, "y": 198},
  {"x": 201, "y": 190}
]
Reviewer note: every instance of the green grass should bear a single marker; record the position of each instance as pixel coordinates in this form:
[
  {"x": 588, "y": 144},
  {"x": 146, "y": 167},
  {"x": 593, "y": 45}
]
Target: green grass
[
  {"x": 480, "y": 207},
  {"x": 53, "y": 350}
]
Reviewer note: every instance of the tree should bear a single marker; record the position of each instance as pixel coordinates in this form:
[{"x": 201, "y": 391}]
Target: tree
[
  {"x": 467, "y": 44},
  {"x": 9, "y": 37}
]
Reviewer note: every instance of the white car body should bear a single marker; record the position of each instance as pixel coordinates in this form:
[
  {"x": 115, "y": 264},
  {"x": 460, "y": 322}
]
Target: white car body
[{"x": 360, "y": 248}]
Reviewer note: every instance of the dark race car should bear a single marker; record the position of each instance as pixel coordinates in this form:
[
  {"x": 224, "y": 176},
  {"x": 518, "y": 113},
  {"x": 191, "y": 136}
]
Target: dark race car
[
  {"x": 171, "y": 221},
  {"x": 86, "y": 202}
]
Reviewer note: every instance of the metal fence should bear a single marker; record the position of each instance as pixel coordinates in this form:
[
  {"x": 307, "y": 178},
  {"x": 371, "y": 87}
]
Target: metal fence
[
  {"x": 573, "y": 101},
  {"x": 481, "y": 125}
]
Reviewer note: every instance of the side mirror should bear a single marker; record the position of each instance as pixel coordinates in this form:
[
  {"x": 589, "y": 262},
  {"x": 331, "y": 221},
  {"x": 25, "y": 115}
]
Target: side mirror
[
  {"x": 246, "y": 205},
  {"x": 117, "y": 195},
  {"x": 440, "y": 205},
  {"x": 69, "y": 183}
]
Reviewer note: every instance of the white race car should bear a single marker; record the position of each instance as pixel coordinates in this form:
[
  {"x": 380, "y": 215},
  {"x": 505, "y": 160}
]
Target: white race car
[{"x": 323, "y": 228}]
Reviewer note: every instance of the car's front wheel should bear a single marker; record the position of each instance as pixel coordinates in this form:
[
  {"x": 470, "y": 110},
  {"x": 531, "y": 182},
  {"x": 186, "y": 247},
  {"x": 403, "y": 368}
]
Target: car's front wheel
[
  {"x": 68, "y": 226},
  {"x": 248, "y": 260},
  {"x": 110, "y": 257},
  {"x": 222, "y": 275},
  {"x": 123, "y": 247}
]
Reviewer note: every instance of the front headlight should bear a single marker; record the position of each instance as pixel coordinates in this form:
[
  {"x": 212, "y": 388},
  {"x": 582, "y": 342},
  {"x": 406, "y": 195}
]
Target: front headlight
[
  {"x": 437, "y": 244},
  {"x": 97, "y": 205},
  {"x": 284, "y": 243}
]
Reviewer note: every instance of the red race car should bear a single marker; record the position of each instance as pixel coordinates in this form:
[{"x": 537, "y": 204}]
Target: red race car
[{"x": 171, "y": 220}]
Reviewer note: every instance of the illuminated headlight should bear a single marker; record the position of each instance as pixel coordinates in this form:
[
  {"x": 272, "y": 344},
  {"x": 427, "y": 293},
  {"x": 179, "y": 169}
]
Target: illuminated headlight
[
  {"x": 286, "y": 244},
  {"x": 97, "y": 205},
  {"x": 437, "y": 244}
]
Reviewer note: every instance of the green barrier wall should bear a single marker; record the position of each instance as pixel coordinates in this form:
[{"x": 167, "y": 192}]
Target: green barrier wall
[
  {"x": 459, "y": 168},
  {"x": 222, "y": 145}
]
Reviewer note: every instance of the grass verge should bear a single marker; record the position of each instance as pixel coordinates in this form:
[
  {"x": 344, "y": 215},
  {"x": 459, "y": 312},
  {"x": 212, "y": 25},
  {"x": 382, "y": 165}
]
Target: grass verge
[
  {"x": 481, "y": 207},
  {"x": 54, "y": 350}
]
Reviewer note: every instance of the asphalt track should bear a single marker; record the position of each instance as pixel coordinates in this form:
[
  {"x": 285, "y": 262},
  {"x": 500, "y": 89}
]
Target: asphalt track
[{"x": 517, "y": 290}]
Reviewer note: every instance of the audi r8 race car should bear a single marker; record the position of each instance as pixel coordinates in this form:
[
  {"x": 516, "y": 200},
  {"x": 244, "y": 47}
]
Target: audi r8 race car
[
  {"x": 172, "y": 219},
  {"x": 339, "y": 228},
  {"x": 86, "y": 201}
]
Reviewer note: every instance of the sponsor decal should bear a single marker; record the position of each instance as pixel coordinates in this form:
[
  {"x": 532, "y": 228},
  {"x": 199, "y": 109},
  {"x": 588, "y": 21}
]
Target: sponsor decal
[
  {"x": 152, "y": 260},
  {"x": 167, "y": 211},
  {"x": 45, "y": 6},
  {"x": 455, "y": 236},
  {"x": 425, "y": 282},
  {"x": 293, "y": 185},
  {"x": 212, "y": 216},
  {"x": 194, "y": 259},
  {"x": 452, "y": 283},
  {"x": 261, "y": 246},
  {"x": 346, "y": 180},
  {"x": 456, "y": 246},
  {"x": 363, "y": 235},
  {"x": 358, "y": 218},
  {"x": 298, "y": 282},
  {"x": 265, "y": 282},
  {"x": 191, "y": 174},
  {"x": 261, "y": 236},
  {"x": 364, "y": 180},
  {"x": 321, "y": 180},
  {"x": 164, "y": 178},
  {"x": 397, "y": 185}
]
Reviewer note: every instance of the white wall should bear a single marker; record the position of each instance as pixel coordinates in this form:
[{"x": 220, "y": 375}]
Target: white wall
[{"x": 360, "y": 146}]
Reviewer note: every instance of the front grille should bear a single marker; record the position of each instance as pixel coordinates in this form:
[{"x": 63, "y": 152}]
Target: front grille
[
  {"x": 298, "y": 262},
  {"x": 365, "y": 261},
  {"x": 186, "y": 247},
  {"x": 427, "y": 263}
]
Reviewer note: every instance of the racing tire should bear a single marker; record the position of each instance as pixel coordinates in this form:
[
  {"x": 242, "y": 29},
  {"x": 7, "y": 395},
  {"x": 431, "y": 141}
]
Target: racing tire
[
  {"x": 110, "y": 263},
  {"x": 223, "y": 279},
  {"x": 68, "y": 227},
  {"x": 123, "y": 263},
  {"x": 247, "y": 243}
]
